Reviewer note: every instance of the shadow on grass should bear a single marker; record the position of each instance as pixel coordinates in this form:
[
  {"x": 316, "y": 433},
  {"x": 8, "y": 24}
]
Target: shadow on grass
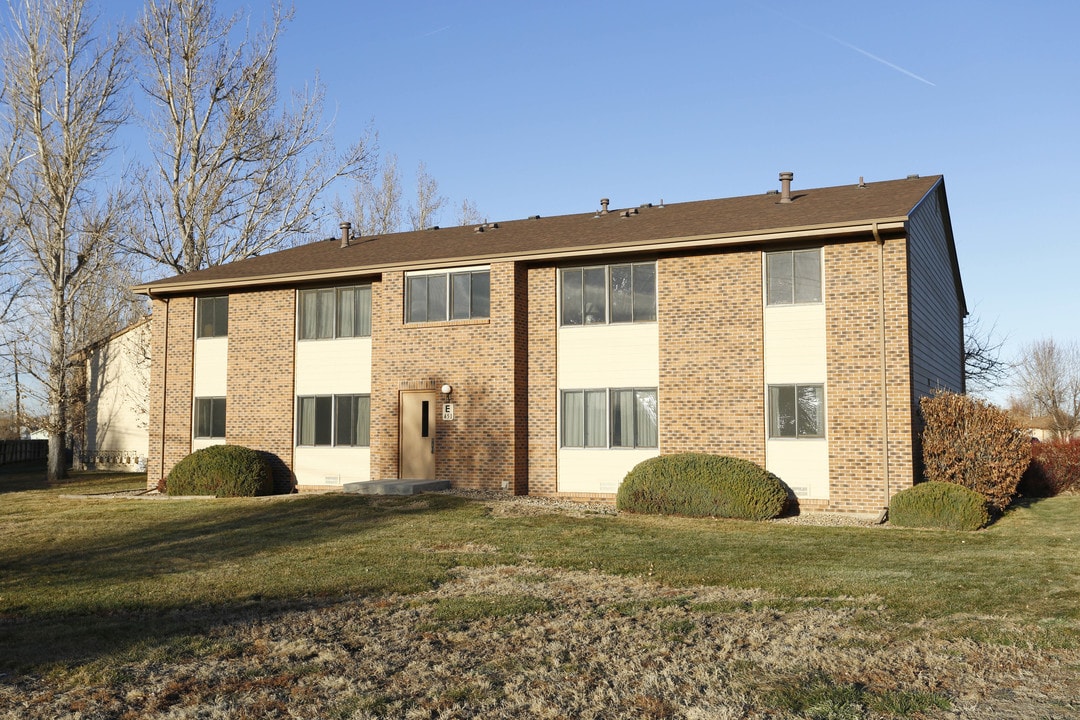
[
  {"x": 94, "y": 618},
  {"x": 22, "y": 476},
  {"x": 106, "y": 641}
]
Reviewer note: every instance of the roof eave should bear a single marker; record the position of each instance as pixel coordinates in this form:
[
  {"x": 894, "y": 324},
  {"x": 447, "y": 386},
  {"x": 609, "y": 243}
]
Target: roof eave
[{"x": 805, "y": 232}]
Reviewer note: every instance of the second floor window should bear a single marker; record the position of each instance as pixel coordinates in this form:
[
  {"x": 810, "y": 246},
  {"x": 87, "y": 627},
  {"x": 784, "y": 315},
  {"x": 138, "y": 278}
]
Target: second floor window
[
  {"x": 457, "y": 295},
  {"x": 793, "y": 277},
  {"x": 212, "y": 317},
  {"x": 609, "y": 294},
  {"x": 340, "y": 312}
]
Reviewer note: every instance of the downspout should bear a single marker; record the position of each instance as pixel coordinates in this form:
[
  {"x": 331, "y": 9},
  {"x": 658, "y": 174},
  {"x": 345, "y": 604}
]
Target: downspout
[
  {"x": 884, "y": 515},
  {"x": 164, "y": 386}
]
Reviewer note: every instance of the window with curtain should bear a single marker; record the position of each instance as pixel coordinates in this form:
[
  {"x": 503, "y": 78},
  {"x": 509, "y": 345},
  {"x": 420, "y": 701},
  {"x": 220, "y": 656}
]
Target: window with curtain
[
  {"x": 210, "y": 417},
  {"x": 333, "y": 420},
  {"x": 617, "y": 418},
  {"x": 793, "y": 277},
  {"x": 437, "y": 297},
  {"x": 352, "y": 420},
  {"x": 633, "y": 418},
  {"x": 327, "y": 313},
  {"x": 797, "y": 411},
  {"x": 212, "y": 317},
  {"x": 584, "y": 418},
  {"x": 623, "y": 293}
]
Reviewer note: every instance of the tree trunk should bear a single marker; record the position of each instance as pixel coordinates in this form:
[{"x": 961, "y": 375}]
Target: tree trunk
[
  {"x": 57, "y": 469},
  {"x": 58, "y": 400}
]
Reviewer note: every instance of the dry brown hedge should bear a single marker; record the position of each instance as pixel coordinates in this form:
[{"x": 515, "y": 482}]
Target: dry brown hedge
[{"x": 972, "y": 443}]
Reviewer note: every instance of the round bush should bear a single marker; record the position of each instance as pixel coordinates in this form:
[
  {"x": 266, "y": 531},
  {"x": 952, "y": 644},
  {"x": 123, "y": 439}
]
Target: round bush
[
  {"x": 701, "y": 485},
  {"x": 943, "y": 505},
  {"x": 222, "y": 471}
]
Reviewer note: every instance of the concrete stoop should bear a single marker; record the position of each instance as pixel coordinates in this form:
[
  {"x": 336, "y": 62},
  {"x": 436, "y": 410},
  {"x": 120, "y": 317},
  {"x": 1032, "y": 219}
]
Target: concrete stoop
[{"x": 395, "y": 487}]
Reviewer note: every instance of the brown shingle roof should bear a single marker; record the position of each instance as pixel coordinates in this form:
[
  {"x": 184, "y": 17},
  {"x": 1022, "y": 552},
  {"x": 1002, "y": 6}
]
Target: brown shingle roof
[{"x": 754, "y": 215}]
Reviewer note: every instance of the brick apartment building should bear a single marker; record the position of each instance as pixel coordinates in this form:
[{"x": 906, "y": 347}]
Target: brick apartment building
[{"x": 796, "y": 329}]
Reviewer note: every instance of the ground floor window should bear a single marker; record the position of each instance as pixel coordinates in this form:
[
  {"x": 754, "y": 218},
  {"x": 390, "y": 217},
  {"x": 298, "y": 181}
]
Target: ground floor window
[
  {"x": 210, "y": 417},
  {"x": 796, "y": 411},
  {"x": 333, "y": 420},
  {"x": 609, "y": 417}
]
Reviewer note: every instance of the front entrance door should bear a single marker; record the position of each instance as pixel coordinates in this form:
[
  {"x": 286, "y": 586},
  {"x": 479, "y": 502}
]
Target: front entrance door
[{"x": 418, "y": 434}]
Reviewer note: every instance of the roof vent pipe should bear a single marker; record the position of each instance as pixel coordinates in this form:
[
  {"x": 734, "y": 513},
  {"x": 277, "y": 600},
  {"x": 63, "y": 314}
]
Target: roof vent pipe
[
  {"x": 603, "y": 205},
  {"x": 785, "y": 186},
  {"x": 345, "y": 236}
]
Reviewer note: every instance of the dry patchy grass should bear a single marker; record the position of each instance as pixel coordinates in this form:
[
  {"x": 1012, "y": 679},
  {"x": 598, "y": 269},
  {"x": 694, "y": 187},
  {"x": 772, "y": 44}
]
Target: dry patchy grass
[
  {"x": 527, "y": 641},
  {"x": 441, "y": 607}
]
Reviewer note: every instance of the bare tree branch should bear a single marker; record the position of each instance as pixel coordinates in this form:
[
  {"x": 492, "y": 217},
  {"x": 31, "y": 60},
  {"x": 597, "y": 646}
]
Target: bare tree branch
[
  {"x": 983, "y": 365},
  {"x": 1048, "y": 373},
  {"x": 61, "y": 107},
  {"x": 236, "y": 172}
]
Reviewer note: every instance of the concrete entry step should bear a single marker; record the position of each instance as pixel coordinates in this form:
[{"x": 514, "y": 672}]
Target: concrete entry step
[{"x": 395, "y": 487}]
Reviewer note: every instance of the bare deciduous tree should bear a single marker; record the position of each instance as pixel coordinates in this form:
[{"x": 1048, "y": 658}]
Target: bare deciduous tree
[
  {"x": 375, "y": 206},
  {"x": 469, "y": 214},
  {"x": 235, "y": 171},
  {"x": 1048, "y": 373},
  {"x": 423, "y": 214},
  {"x": 61, "y": 105},
  {"x": 984, "y": 367}
]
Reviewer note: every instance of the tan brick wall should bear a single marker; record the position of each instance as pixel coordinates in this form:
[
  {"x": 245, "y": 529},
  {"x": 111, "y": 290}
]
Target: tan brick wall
[
  {"x": 259, "y": 397},
  {"x": 711, "y": 367},
  {"x": 543, "y": 392},
  {"x": 479, "y": 447},
  {"x": 854, "y": 399},
  {"x": 170, "y": 386}
]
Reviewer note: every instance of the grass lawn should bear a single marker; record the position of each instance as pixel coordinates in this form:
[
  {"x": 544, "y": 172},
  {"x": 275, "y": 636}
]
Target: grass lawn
[{"x": 438, "y": 606}]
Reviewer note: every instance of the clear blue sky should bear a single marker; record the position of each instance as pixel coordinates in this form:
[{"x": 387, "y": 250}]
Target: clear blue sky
[{"x": 544, "y": 108}]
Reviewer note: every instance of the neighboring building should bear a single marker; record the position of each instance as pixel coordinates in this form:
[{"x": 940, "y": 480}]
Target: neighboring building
[
  {"x": 115, "y": 417},
  {"x": 795, "y": 329}
]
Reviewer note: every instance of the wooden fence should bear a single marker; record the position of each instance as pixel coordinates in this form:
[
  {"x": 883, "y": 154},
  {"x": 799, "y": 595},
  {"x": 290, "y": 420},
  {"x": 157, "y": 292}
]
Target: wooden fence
[{"x": 19, "y": 450}]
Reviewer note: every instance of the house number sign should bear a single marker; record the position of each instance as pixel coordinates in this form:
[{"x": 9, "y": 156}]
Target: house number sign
[{"x": 448, "y": 411}]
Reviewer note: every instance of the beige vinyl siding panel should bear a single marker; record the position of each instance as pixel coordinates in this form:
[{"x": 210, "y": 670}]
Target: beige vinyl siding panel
[
  {"x": 936, "y": 301},
  {"x": 211, "y": 367},
  {"x": 601, "y": 356},
  {"x": 795, "y": 353},
  {"x": 333, "y": 367},
  {"x": 332, "y": 465}
]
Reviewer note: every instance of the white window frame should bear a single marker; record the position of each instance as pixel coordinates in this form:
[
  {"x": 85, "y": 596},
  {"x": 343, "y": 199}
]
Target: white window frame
[
  {"x": 195, "y": 417},
  {"x": 796, "y": 387},
  {"x": 215, "y": 332},
  {"x": 607, "y": 269},
  {"x": 336, "y": 311},
  {"x": 334, "y": 404},
  {"x": 448, "y": 289},
  {"x": 608, "y": 418},
  {"x": 794, "y": 279}
]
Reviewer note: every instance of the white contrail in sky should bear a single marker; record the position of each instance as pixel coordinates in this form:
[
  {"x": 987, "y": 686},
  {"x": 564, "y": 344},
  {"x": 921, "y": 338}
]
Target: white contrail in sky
[
  {"x": 884, "y": 62},
  {"x": 849, "y": 46}
]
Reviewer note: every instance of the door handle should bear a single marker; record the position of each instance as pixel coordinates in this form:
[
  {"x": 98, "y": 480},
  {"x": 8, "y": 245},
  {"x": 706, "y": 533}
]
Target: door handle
[{"x": 432, "y": 446}]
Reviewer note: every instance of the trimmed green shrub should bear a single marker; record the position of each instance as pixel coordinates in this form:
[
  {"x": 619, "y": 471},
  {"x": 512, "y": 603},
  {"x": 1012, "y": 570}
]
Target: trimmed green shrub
[
  {"x": 222, "y": 471},
  {"x": 1054, "y": 469},
  {"x": 939, "y": 505},
  {"x": 972, "y": 443},
  {"x": 701, "y": 485}
]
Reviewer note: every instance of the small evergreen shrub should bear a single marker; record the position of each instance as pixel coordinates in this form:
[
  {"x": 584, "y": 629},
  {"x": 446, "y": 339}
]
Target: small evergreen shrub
[
  {"x": 972, "y": 443},
  {"x": 943, "y": 505},
  {"x": 1054, "y": 469},
  {"x": 222, "y": 471},
  {"x": 701, "y": 485}
]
